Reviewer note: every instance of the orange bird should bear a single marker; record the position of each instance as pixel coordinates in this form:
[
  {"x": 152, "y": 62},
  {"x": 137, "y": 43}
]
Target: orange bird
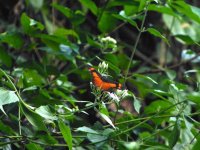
[{"x": 102, "y": 82}]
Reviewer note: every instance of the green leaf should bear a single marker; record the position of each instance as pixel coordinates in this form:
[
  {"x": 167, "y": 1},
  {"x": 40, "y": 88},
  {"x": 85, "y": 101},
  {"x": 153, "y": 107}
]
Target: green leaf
[
  {"x": 145, "y": 77},
  {"x": 45, "y": 112},
  {"x": 32, "y": 78},
  {"x": 157, "y": 34},
  {"x": 87, "y": 130},
  {"x": 66, "y": 132},
  {"x": 132, "y": 145},
  {"x": 103, "y": 24},
  {"x": 171, "y": 74},
  {"x": 122, "y": 16},
  {"x": 197, "y": 144},
  {"x": 37, "y": 4},
  {"x": 194, "y": 97},
  {"x": 188, "y": 10},
  {"x": 137, "y": 105},
  {"x": 66, "y": 32},
  {"x": 90, "y": 5},
  {"x": 174, "y": 136},
  {"x": 76, "y": 17},
  {"x": 30, "y": 25},
  {"x": 33, "y": 146},
  {"x": 6, "y": 129},
  {"x": 142, "y": 5},
  {"x": 99, "y": 140},
  {"x": 36, "y": 120},
  {"x": 5, "y": 58},
  {"x": 162, "y": 9},
  {"x": 157, "y": 106},
  {"x": 107, "y": 119},
  {"x": 12, "y": 39},
  {"x": 7, "y": 97}
]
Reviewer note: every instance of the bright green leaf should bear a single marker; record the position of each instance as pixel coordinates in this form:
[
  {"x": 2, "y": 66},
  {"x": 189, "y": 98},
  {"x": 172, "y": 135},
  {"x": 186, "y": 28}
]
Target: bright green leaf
[
  {"x": 157, "y": 34},
  {"x": 66, "y": 132}
]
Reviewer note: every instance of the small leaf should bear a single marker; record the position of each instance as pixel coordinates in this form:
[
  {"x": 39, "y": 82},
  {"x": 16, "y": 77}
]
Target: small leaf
[
  {"x": 36, "y": 120},
  {"x": 137, "y": 105},
  {"x": 157, "y": 33},
  {"x": 45, "y": 112},
  {"x": 7, "y": 97},
  {"x": 145, "y": 77},
  {"x": 91, "y": 5},
  {"x": 107, "y": 119},
  {"x": 171, "y": 74},
  {"x": 66, "y": 132},
  {"x": 174, "y": 136},
  {"x": 87, "y": 130}
]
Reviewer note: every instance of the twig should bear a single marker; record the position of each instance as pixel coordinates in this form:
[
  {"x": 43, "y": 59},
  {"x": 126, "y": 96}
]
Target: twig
[{"x": 137, "y": 41}]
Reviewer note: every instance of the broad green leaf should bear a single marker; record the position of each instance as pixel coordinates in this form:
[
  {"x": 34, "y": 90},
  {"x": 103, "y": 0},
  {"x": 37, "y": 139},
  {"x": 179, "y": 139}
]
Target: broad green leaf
[
  {"x": 142, "y": 5},
  {"x": 87, "y": 130},
  {"x": 174, "y": 136},
  {"x": 32, "y": 78},
  {"x": 157, "y": 106},
  {"x": 12, "y": 39},
  {"x": 66, "y": 32},
  {"x": 66, "y": 132},
  {"x": 103, "y": 24},
  {"x": 36, "y": 120},
  {"x": 45, "y": 112},
  {"x": 90, "y": 5},
  {"x": 7, "y": 97},
  {"x": 157, "y": 34}
]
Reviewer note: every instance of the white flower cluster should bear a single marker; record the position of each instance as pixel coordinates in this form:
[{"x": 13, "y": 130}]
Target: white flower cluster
[
  {"x": 108, "y": 44},
  {"x": 119, "y": 95},
  {"x": 109, "y": 39}
]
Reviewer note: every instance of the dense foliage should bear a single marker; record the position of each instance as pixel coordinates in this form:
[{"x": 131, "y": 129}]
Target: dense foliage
[{"x": 48, "y": 101}]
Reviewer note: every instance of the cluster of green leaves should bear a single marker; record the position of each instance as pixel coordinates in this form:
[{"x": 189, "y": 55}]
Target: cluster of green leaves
[{"x": 43, "y": 72}]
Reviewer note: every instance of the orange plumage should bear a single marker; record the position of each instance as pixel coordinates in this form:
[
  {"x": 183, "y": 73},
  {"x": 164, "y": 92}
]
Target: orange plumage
[{"x": 103, "y": 83}]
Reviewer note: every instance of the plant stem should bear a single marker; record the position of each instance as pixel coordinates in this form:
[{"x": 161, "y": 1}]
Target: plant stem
[
  {"x": 131, "y": 128},
  {"x": 18, "y": 95},
  {"x": 137, "y": 41}
]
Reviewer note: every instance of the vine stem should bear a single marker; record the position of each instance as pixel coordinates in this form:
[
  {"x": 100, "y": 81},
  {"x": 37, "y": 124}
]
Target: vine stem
[
  {"x": 18, "y": 95},
  {"x": 136, "y": 43},
  {"x": 131, "y": 128}
]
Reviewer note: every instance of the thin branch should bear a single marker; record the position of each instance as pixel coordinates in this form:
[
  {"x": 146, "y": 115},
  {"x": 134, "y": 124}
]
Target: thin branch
[{"x": 137, "y": 41}]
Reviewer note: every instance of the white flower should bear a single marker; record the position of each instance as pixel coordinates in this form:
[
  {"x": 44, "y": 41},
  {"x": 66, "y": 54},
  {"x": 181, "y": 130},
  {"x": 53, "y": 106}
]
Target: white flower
[
  {"x": 113, "y": 97},
  {"x": 122, "y": 93},
  {"x": 109, "y": 39}
]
